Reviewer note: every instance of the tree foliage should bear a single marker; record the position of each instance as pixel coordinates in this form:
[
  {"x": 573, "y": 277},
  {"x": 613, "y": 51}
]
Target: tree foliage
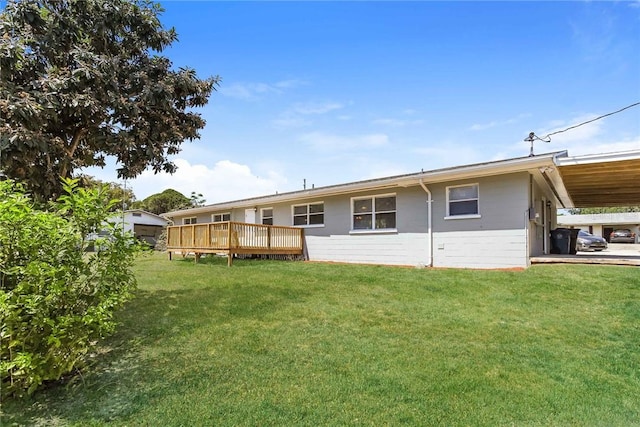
[
  {"x": 115, "y": 191},
  {"x": 166, "y": 201},
  {"x": 197, "y": 199},
  {"x": 81, "y": 80},
  {"x": 588, "y": 211},
  {"x": 55, "y": 300}
]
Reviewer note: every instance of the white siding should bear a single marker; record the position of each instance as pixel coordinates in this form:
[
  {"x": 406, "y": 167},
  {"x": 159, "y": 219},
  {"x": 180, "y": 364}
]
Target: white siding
[
  {"x": 480, "y": 249},
  {"x": 389, "y": 249}
]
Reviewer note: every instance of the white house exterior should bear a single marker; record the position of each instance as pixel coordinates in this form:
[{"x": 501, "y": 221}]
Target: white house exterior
[
  {"x": 487, "y": 215},
  {"x": 603, "y": 224},
  {"x": 142, "y": 223}
]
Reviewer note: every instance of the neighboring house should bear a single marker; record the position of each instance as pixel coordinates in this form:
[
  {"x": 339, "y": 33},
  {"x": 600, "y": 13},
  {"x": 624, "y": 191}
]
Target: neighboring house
[
  {"x": 145, "y": 225},
  {"x": 487, "y": 215},
  {"x": 603, "y": 224}
]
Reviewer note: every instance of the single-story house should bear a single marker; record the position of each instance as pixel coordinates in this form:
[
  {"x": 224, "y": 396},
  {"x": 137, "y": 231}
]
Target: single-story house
[
  {"x": 488, "y": 215},
  {"x": 603, "y": 224},
  {"x": 144, "y": 225}
]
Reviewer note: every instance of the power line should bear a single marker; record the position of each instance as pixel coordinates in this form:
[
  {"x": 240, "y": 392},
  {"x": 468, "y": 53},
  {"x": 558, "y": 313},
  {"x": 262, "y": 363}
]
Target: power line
[
  {"x": 532, "y": 136},
  {"x": 588, "y": 121}
]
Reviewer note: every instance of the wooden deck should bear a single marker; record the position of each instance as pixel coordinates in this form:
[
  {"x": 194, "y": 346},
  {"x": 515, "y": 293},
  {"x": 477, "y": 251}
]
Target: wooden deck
[{"x": 234, "y": 238}]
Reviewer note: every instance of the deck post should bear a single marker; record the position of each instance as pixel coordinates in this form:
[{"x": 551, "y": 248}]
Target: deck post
[
  {"x": 268, "y": 237},
  {"x": 230, "y": 255}
]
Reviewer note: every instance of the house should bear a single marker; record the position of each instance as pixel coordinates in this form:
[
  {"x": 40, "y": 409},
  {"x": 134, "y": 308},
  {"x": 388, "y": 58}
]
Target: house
[
  {"x": 144, "y": 225},
  {"x": 603, "y": 224},
  {"x": 488, "y": 215}
]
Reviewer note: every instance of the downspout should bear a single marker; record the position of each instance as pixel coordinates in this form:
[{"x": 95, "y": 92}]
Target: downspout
[{"x": 429, "y": 215}]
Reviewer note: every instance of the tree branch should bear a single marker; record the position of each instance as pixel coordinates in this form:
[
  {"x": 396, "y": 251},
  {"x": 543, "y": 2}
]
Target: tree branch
[{"x": 75, "y": 141}]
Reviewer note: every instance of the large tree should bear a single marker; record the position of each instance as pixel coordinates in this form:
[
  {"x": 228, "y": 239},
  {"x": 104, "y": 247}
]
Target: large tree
[
  {"x": 166, "y": 201},
  {"x": 81, "y": 80}
]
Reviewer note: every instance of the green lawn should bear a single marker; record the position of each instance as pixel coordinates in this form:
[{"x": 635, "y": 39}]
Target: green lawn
[{"x": 293, "y": 343}]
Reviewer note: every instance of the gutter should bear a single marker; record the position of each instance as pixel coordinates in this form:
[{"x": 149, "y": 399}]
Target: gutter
[{"x": 429, "y": 225}]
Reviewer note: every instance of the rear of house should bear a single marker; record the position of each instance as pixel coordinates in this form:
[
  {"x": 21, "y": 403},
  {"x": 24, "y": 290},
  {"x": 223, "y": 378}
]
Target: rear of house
[{"x": 489, "y": 215}]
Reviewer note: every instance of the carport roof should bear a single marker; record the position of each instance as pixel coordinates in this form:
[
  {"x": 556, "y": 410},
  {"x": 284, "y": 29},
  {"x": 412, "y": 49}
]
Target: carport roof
[{"x": 602, "y": 180}]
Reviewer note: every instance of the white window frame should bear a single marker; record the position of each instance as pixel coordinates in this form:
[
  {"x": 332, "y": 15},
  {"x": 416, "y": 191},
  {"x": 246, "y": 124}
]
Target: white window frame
[
  {"x": 221, "y": 215},
  {"x": 308, "y": 214},
  {"x": 190, "y": 220},
  {"x": 477, "y": 200},
  {"x": 262, "y": 217},
  {"x": 373, "y": 230}
]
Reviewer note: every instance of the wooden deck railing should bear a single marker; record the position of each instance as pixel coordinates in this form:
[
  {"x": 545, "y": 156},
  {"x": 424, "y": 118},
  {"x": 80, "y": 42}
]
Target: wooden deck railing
[{"x": 234, "y": 238}]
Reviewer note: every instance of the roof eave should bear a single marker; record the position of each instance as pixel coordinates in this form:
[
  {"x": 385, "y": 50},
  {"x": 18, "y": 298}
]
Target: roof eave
[{"x": 502, "y": 167}]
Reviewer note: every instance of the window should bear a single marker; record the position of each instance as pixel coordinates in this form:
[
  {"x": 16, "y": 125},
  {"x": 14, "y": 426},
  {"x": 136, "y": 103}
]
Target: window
[
  {"x": 221, "y": 217},
  {"x": 310, "y": 215},
  {"x": 137, "y": 214},
  {"x": 374, "y": 213},
  {"x": 187, "y": 221},
  {"x": 267, "y": 216},
  {"x": 463, "y": 201}
]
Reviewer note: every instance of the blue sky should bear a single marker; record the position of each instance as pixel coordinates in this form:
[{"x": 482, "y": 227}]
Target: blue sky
[{"x": 335, "y": 92}]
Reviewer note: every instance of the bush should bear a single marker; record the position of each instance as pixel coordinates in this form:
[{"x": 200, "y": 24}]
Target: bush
[
  {"x": 55, "y": 300},
  {"x": 161, "y": 243}
]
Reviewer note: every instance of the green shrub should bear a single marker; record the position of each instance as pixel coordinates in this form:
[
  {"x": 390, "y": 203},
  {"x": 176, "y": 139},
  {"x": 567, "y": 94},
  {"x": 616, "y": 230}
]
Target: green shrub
[{"x": 56, "y": 301}]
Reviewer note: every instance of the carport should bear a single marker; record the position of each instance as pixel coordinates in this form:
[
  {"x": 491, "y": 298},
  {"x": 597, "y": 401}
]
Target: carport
[
  {"x": 600, "y": 180},
  {"x": 604, "y": 180}
]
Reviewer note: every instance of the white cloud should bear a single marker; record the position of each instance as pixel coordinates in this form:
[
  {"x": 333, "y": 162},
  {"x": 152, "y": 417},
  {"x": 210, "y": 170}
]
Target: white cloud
[
  {"x": 381, "y": 169},
  {"x": 316, "y": 108},
  {"x": 397, "y": 122},
  {"x": 241, "y": 90},
  {"x": 287, "y": 120},
  {"x": 447, "y": 154},
  {"x": 580, "y": 133},
  {"x": 495, "y": 123},
  {"x": 298, "y": 114},
  {"x": 327, "y": 142},
  {"x": 589, "y": 138},
  {"x": 252, "y": 90},
  {"x": 577, "y": 148},
  {"x": 407, "y": 119},
  {"x": 289, "y": 84},
  {"x": 224, "y": 181}
]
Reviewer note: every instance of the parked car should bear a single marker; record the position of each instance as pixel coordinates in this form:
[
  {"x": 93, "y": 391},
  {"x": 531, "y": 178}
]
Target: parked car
[
  {"x": 589, "y": 242},
  {"x": 623, "y": 235}
]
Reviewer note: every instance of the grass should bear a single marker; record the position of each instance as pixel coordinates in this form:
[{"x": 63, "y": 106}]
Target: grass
[{"x": 291, "y": 343}]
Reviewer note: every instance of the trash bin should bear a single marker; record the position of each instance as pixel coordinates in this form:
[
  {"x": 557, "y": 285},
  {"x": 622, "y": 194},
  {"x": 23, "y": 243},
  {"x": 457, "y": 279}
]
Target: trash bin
[
  {"x": 561, "y": 241},
  {"x": 573, "y": 241}
]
